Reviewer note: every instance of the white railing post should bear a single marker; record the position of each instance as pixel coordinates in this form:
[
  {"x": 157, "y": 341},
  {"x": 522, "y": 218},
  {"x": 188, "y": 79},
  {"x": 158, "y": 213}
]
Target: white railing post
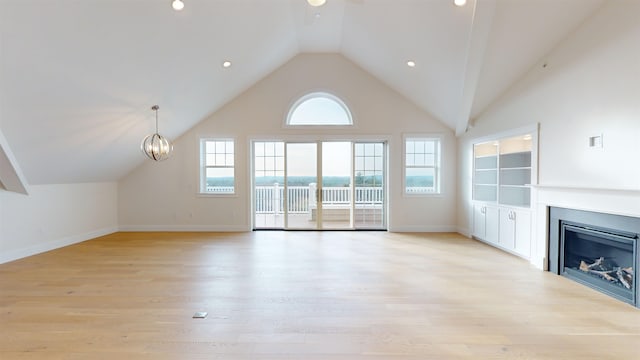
[
  {"x": 276, "y": 198},
  {"x": 313, "y": 199}
]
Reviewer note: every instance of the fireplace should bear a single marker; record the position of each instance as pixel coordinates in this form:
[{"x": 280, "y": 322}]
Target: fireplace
[{"x": 597, "y": 250}]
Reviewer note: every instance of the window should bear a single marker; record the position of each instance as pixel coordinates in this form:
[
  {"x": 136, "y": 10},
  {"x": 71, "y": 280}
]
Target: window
[
  {"x": 319, "y": 109},
  {"x": 218, "y": 171},
  {"x": 422, "y": 165}
]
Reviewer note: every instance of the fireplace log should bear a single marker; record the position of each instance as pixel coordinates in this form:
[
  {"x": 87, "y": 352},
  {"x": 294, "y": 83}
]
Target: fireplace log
[
  {"x": 588, "y": 267},
  {"x": 607, "y": 275},
  {"x": 624, "y": 278}
]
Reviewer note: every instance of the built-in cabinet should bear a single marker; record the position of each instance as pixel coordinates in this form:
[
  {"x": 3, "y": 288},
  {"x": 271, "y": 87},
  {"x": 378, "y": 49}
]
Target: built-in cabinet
[
  {"x": 485, "y": 221},
  {"x": 503, "y": 171}
]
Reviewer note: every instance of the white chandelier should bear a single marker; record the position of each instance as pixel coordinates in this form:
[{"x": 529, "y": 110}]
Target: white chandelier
[{"x": 156, "y": 146}]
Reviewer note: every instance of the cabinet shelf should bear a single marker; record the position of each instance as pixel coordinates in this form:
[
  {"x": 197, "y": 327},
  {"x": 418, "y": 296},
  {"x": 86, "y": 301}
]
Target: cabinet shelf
[
  {"x": 516, "y": 168},
  {"x": 503, "y": 171}
]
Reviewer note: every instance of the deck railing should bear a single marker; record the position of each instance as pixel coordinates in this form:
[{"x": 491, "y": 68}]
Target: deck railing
[{"x": 301, "y": 199}]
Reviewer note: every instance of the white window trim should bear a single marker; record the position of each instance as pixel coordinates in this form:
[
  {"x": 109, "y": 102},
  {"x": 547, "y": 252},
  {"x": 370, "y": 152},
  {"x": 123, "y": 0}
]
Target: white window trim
[
  {"x": 438, "y": 167},
  {"x": 202, "y": 167}
]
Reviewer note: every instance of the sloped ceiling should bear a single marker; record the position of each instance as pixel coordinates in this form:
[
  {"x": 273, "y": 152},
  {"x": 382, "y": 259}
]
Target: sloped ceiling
[{"x": 78, "y": 78}]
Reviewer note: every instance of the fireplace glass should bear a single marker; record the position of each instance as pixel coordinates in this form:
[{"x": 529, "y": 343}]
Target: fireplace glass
[{"x": 600, "y": 258}]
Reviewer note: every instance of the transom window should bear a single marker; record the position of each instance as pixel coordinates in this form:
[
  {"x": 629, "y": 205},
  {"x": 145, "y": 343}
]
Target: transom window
[
  {"x": 422, "y": 165},
  {"x": 319, "y": 109},
  {"x": 218, "y": 168}
]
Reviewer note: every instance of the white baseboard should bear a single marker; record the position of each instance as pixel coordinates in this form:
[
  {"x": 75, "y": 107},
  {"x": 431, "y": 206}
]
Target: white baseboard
[
  {"x": 186, "y": 228},
  {"x": 55, "y": 244},
  {"x": 464, "y": 232},
  {"x": 419, "y": 228}
]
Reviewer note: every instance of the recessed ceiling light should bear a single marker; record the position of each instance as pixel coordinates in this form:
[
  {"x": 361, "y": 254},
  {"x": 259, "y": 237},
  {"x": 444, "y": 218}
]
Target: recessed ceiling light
[
  {"x": 177, "y": 5},
  {"x": 226, "y": 64},
  {"x": 459, "y": 2},
  {"x": 411, "y": 63},
  {"x": 316, "y": 2}
]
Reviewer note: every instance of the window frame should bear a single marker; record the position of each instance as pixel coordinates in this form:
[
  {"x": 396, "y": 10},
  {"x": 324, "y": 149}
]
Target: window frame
[
  {"x": 319, "y": 94},
  {"x": 437, "y": 166},
  {"x": 203, "y": 166}
]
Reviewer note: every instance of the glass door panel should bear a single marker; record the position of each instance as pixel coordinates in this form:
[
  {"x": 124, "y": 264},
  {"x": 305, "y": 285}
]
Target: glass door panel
[
  {"x": 369, "y": 178},
  {"x": 301, "y": 186},
  {"x": 319, "y": 185},
  {"x": 268, "y": 182},
  {"x": 337, "y": 199}
]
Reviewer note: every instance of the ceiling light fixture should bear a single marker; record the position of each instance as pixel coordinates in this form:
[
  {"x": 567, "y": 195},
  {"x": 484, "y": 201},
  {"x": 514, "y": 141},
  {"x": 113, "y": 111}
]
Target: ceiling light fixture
[
  {"x": 177, "y": 5},
  {"x": 459, "y": 2},
  {"x": 156, "y": 146},
  {"x": 316, "y": 2},
  {"x": 411, "y": 63},
  {"x": 226, "y": 64}
]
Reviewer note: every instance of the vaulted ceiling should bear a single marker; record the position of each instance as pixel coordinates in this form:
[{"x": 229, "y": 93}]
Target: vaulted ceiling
[{"x": 78, "y": 78}]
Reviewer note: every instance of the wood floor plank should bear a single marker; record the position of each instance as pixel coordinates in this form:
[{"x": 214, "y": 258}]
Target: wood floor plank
[{"x": 292, "y": 295}]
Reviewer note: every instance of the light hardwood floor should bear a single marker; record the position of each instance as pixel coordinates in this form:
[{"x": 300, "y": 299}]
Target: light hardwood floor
[{"x": 301, "y": 295}]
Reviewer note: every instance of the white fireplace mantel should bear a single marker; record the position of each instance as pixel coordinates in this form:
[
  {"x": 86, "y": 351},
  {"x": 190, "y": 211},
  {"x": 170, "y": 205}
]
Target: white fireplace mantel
[{"x": 611, "y": 201}]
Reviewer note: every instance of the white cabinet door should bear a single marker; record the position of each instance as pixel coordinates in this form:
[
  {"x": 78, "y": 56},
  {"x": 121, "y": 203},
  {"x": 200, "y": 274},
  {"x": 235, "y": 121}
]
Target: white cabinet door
[
  {"x": 515, "y": 231},
  {"x": 507, "y": 228},
  {"x": 485, "y": 222},
  {"x": 479, "y": 221},
  {"x": 491, "y": 221},
  {"x": 522, "y": 233}
]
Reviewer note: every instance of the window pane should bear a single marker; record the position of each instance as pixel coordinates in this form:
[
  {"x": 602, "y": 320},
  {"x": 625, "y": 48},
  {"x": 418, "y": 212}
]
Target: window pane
[
  {"x": 259, "y": 164},
  {"x": 219, "y": 147},
  {"x": 410, "y": 147},
  {"x": 279, "y": 147},
  {"x": 209, "y": 147},
  {"x": 319, "y": 109},
  {"x": 422, "y": 160},
  {"x": 211, "y": 160},
  {"x": 368, "y": 163},
  {"x": 220, "y": 180},
  {"x": 429, "y": 147},
  {"x": 218, "y": 166},
  {"x": 378, "y": 149},
  {"x": 410, "y": 159},
  {"x": 269, "y": 149},
  {"x": 258, "y": 149},
  {"x": 378, "y": 164},
  {"x": 429, "y": 160},
  {"x": 369, "y": 149},
  {"x": 419, "y": 180}
]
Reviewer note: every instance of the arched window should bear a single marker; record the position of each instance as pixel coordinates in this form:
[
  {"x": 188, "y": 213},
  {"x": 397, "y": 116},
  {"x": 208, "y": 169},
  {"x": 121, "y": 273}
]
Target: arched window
[{"x": 319, "y": 109}]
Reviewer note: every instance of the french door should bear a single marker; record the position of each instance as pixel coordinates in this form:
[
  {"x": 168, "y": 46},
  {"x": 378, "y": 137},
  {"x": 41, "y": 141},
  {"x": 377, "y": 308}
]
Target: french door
[{"x": 319, "y": 185}]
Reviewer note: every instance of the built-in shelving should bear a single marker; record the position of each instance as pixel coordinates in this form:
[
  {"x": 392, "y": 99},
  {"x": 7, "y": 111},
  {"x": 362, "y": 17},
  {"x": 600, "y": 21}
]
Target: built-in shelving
[
  {"x": 502, "y": 171},
  {"x": 485, "y": 174},
  {"x": 503, "y": 174}
]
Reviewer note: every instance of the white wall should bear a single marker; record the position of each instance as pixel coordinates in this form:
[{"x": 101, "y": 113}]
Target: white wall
[
  {"x": 163, "y": 196},
  {"x": 52, "y": 216},
  {"x": 590, "y": 86}
]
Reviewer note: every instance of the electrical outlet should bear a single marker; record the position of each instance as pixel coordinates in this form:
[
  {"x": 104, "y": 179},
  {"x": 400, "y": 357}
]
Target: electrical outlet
[
  {"x": 200, "y": 315},
  {"x": 595, "y": 141}
]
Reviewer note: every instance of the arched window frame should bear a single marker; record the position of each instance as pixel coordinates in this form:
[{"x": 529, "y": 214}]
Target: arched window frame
[{"x": 315, "y": 95}]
